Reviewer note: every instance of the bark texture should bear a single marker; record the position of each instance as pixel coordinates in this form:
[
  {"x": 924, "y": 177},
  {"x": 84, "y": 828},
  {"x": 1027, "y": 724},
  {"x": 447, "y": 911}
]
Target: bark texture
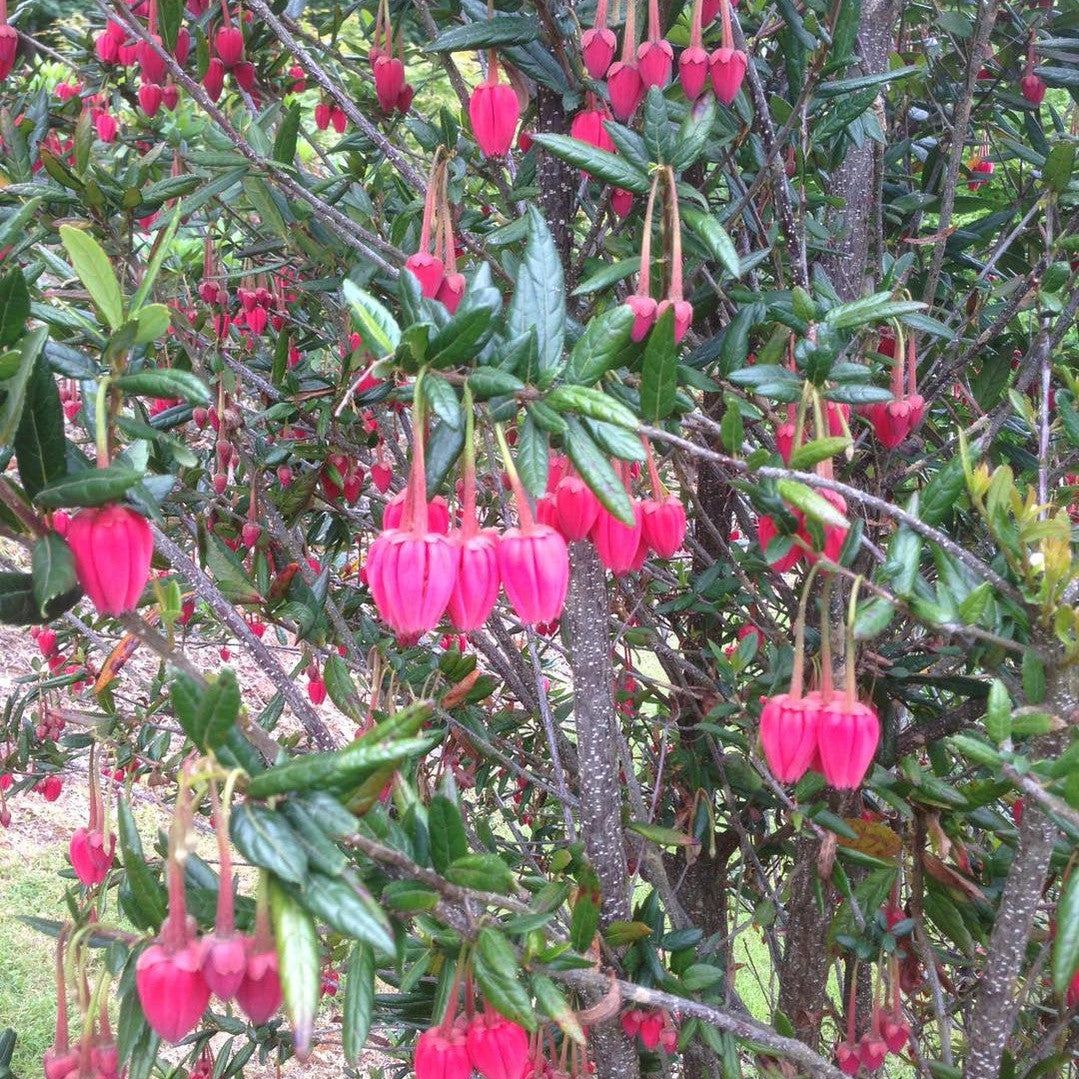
[
  {"x": 857, "y": 180},
  {"x": 586, "y": 619},
  {"x": 995, "y": 1002}
]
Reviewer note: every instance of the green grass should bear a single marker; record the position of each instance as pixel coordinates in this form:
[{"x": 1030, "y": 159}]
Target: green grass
[{"x": 28, "y": 886}]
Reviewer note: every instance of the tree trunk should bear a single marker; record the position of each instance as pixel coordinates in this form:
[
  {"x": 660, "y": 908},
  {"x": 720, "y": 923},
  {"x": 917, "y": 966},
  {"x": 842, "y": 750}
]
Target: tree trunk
[
  {"x": 994, "y": 1003},
  {"x": 586, "y": 619}
]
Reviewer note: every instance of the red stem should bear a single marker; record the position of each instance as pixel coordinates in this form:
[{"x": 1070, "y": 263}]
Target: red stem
[
  {"x": 696, "y": 32},
  {"x": 152, "y": 19},
  {"x": 912, "y": 367},
  {"x": 659, "y": 492},
  {"x": 675, "y": 291},
  {"x": 62, "y": 1040},
  {"x": 653, "y": 20},
  {"x": 644, "y": 277},
  {"x": 600, "y": 22},
  {"x": 224, "y": 923},
  {"x": 629, "y": 41},
  {"x": 429, "y": 205},
  {"x": 416, "y": 500},
  {"x": 226, "y": 18},
  {"x": 95, "y": 795},
  {"x": 728, "y": 36}
]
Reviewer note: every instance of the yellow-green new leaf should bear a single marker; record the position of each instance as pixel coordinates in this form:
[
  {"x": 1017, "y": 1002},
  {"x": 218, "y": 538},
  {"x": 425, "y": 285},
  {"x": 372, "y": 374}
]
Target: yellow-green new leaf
[{"x": 95, "y": 272}]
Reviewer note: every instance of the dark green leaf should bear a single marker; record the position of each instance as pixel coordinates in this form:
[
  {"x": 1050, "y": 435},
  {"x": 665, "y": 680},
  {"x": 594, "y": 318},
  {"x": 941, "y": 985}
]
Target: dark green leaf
[
  {"x": 596, "y": 470},
  {"x": 447, "y": 831},
  {"x": 14, "y": 307},
  {"x": 605, "y": 166},
  {"x": 532, "y": 457},
  {"x": 146, "y": 889},
  {"x": 170, "y": 14},
  {"x": 482, "y": 872},
  {"x": 298, "y": 965},
  {"x": 265, "y": 839},
  {"x": 714, "y": 237},
  {"x": 347, "y": 906},
  {"x": 553, "y": 1003},
  {"x": 359, "y": 1001},
  {"x": 53, "y": 567},
  {"x": 659, "y": 373},
  {"x": 499, "y": 978},
  {"x": 92, "y": 265},
  {"x": 284, "y": 145},
  {"x": 539, "y": 297},
  {"x": 17, "y": 385},
  {"x": 1066, "y": 945},
  {"x": 19, "y": 607},
  {"x": 497, "y": 30},
  {"x": 601, "y": 346},
  {"x": 593, "y": 403},
  {"x": 342, "y": 689},
  {"x": 91, "y": 487},
  {"x": 39, "y": 439},
  {"x": 166, "y": 382},
  {"x": 584, "y": 921}
]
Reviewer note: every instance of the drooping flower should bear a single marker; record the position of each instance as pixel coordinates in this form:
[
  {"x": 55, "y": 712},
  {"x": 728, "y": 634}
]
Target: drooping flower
[{"x": 112, "y": 546}]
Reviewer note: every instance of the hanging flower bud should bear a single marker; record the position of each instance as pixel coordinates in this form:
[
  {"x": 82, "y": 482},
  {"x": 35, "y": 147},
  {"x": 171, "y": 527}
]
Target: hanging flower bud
[
  {"x": 834, "y": 535},
  {"x": 428, "y": 270},
  {"x": 588, "y": 126},
  {"x": 788, "y": 730},
  {"x": 644, "y": 315},
  {"x": 621, "y": 203},
  {"x": 152, "y": 66},
  {"x": 497, "y": 1047},
  {"x": 412, "y": 570},
  {"x": 846, "y": 1057},
  {"x": 90, "y": 853},
  {"x": 229, "y": 45},
  {"x": 655, "y": 56},
  {"x": 624, "y": 84},
  {"x": 476, "y": 588},
  {"x": 150, "y": 97},
  {"x": 847, "y": 738},
  {"x": 168, "y": 975},
  {"x": 598, "y": 44},
  {"x": 213, "y": 82},
  {"x": 532, "y": 559},
  {"x": 1032, "y": 86},
  {"x": 442, "y": 1053},
  {"x": 494, "y": 110},
  {"x": 727, "y": 65},
  {"x": 767, "y": 531},
  {"x": 576, "y": 508},
  {"x": 112, "y": 546},
  {"x": 693, "y": 63},
  {"x": 663, "y": 524},
  {"x": 438, "y": 513},
  {"x": 389, "y": 75},
  {"x": 259, "y": 994},
  {"x": 616, "y": 543},
  {"x": 727, "y": 68},
  {"x": 105, "y": 126}
]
